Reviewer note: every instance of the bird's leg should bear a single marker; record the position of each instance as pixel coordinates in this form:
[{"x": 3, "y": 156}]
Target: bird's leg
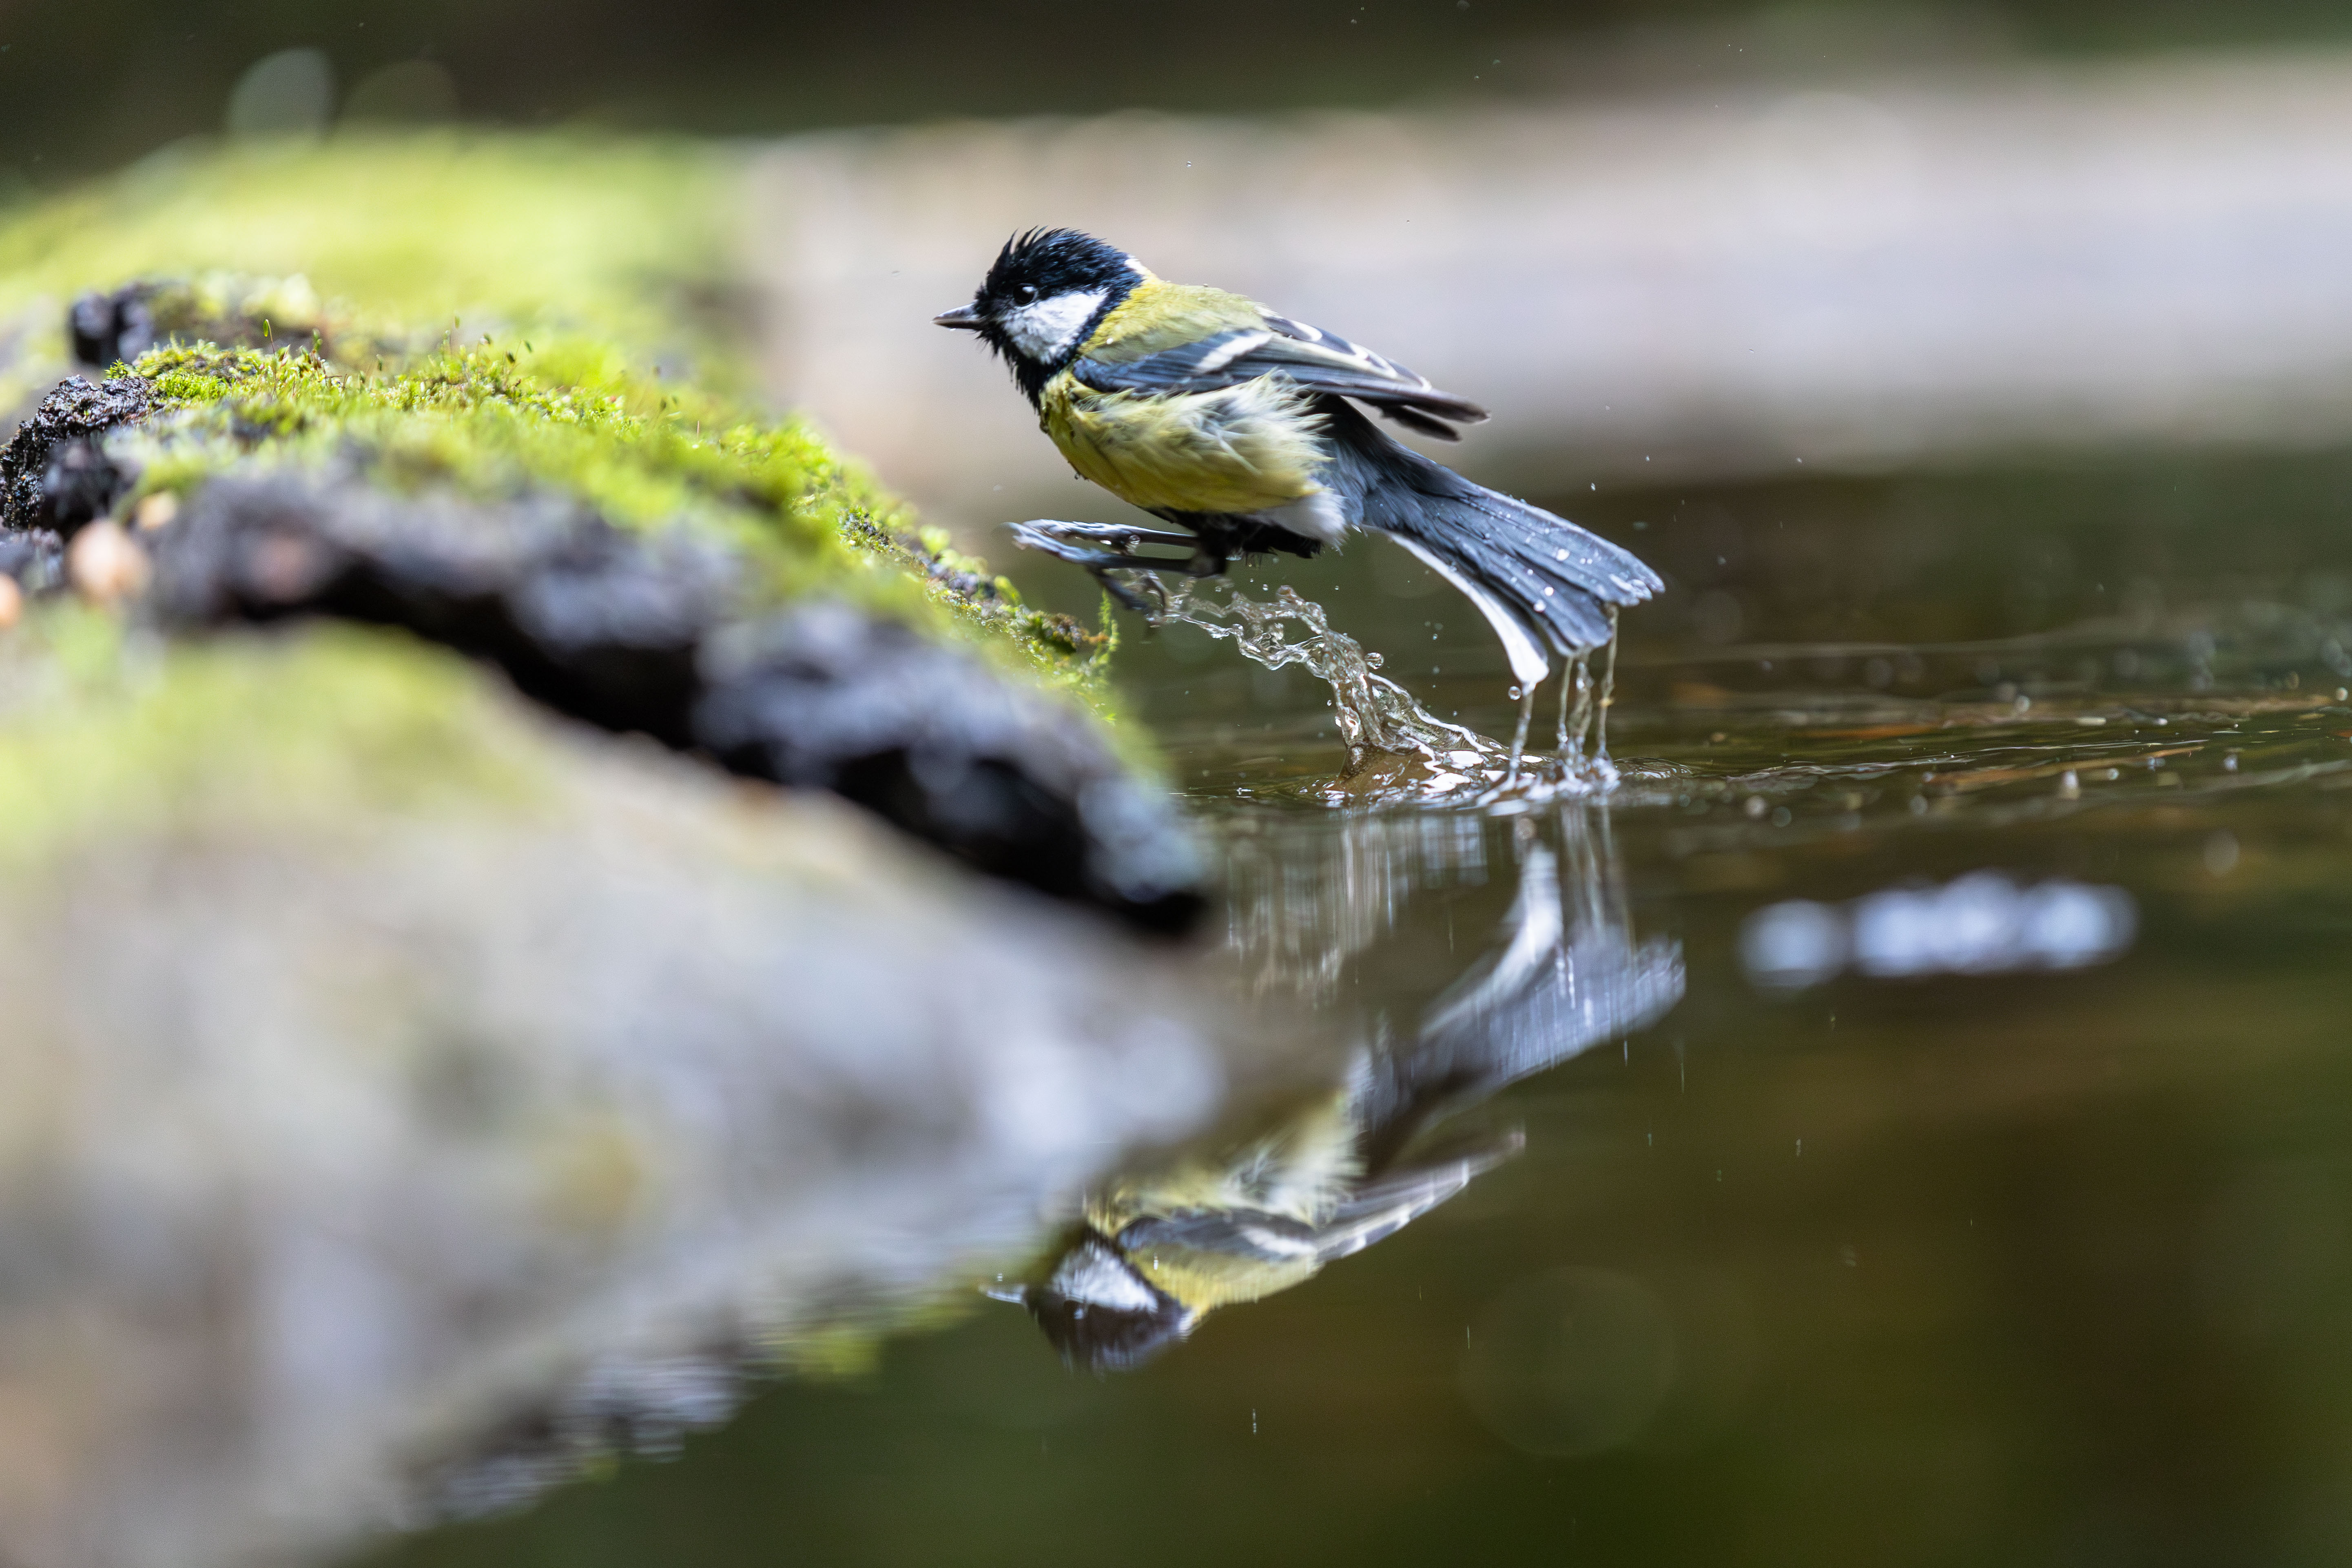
[{"x": 1103, "y": 548}]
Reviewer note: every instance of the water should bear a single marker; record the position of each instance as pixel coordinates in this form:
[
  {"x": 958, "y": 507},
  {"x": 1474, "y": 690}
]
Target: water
[
  {"x": 1970, "y": 1178},
  {"x": 1379, "y": 722}
]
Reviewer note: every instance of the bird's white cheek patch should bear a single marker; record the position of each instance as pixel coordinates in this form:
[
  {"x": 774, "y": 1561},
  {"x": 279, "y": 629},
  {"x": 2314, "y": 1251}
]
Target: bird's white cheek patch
[
  {"x": 1044, "y": 330},
  {"x": 1090, "y": 1274}
]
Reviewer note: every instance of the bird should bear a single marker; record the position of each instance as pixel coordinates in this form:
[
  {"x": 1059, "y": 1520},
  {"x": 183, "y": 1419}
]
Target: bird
[
  {"x": 1264, "y": 1206},
  {"x": 1240, "y": 427},
  {"x": 1159, "y": 1247}
]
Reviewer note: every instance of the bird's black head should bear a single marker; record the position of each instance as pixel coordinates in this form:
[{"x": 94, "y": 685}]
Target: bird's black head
[
  {"x": 1100, "y": 1313},
  {"x": 1046, "y": 293}
]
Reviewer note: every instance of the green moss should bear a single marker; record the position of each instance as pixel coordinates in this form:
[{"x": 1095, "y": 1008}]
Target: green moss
[
  {"x": 104, "y": 735},
  {"x": 504, "y": 416},
  {"x": 492, "y": 313},
  {"x": 482, "y": 421},
  {"x": 629, "y": 241}
]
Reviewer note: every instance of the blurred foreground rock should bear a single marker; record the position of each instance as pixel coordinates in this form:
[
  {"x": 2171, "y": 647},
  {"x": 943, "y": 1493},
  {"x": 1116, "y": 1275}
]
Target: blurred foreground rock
[
  {"x": 383, "y": 1061},
  {"x": 424, "y": 1068}
]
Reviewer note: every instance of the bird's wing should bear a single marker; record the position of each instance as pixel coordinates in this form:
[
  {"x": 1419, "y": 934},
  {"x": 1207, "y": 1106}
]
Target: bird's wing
[
  {"x": 1373, "y": 1212},
  {"x": 1315, "y": 360},
  {"x": 1258, "y": 1234},
  {"x": 1381, "y": 1208}
]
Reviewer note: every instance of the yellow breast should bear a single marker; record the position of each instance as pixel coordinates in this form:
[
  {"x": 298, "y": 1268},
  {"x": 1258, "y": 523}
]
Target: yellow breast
[
  {"x": 1203, "y": 1281},
  {"x": 1240, "y": 450},
  {"x": 1299, "y": 1164}
]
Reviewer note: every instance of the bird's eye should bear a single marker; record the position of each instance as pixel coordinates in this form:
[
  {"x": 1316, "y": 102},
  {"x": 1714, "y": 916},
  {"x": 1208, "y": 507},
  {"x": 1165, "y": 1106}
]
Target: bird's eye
[{"x": 1027, "y": 294}]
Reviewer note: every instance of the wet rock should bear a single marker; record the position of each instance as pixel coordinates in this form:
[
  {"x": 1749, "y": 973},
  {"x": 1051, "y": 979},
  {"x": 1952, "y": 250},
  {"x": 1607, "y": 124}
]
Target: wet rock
[
  {"x": 646, "y": 633},
  {"x": 33, "y": 561},
  {"x": 108, "y": 326},
  {"x": 600, "y": 624},
  {"x": 55, "y": 476},
  {"x": 111, "y": 328},
  {"x": 931, "y": 738},
  {"x": 78, "y": 485}
]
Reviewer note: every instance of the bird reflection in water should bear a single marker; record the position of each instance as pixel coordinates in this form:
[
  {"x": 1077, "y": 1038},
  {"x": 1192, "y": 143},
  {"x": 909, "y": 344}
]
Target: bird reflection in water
[{"x": 1160, "y": 1246}]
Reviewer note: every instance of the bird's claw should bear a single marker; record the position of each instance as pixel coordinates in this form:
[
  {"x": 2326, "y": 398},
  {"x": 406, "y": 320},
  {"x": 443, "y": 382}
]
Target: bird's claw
[
  {"x": 1103, "y": 548},
  {"x": 1069, "y": 540}
]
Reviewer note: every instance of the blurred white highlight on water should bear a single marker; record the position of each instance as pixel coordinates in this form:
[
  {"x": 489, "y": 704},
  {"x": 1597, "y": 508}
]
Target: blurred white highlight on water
[{"x": 1982, "y": 923}]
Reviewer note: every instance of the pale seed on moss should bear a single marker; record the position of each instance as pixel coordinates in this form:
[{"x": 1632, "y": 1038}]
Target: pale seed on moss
[
  {"x": 157, "y": 511},
  {"x": 105, "y": 564}
]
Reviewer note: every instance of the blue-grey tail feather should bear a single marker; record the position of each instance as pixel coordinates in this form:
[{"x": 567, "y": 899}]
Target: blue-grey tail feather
[{"x": 1554, "y": 577}]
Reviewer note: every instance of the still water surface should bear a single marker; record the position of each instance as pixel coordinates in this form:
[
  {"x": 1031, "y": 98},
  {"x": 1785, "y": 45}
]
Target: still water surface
[{"x": 1933, "y": 1081}]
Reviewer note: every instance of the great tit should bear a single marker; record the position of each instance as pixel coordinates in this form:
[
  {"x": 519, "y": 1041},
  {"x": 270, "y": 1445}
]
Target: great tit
[
  {"x": 1214, "y": 414},
  {"x": 1159, "y": 1247}
]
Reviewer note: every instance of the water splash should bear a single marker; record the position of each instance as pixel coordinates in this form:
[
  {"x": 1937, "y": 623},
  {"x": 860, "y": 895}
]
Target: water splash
[{"x": 1382, "y": 724}]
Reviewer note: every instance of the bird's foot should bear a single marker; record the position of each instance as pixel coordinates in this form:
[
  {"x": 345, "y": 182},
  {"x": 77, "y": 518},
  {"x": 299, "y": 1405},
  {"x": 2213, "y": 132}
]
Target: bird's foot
[
  {"x": 1090, "y": 543},
  {"x": 1103, "y": 548}
]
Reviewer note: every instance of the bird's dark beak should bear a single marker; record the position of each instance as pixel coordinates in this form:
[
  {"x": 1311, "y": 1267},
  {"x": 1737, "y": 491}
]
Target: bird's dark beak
[{"x": 963, "y": 316}]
